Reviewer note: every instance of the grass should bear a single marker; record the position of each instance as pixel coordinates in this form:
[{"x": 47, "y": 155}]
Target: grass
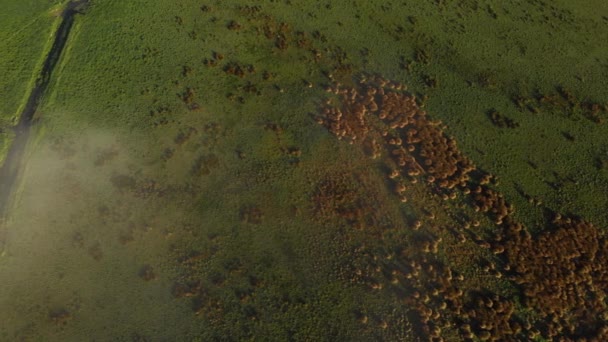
[
  {"x": 132, "y": 97},
  {"x": 6, "y": 138},
  {"x": 27, "y": 32}
]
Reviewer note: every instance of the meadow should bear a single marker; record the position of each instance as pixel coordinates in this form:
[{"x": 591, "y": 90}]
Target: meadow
[
  {"x": 26, "y": 30},
  {"x": 177, "y": 184}
]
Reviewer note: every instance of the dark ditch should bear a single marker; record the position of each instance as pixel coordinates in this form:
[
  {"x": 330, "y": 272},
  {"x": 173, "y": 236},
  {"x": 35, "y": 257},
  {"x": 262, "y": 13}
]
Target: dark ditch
[{"x": 12, "y": 164}]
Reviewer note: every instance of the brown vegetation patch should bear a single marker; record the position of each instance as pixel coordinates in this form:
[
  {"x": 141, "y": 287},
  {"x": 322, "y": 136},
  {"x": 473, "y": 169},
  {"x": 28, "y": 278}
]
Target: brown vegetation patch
[
  {"x": 105, "y": 155},
  {"x": 348, "y": 196},
  {"x": 239, "y": 70},
  {"x": 562, "y": 100},
  {"x": 60, "y": 316},
  {"x": 149, "y": 187},
  {"x": 63, "y": 147},
  {"x": 146, "y": 272},
  {"x": 205, "y": 164},
  {"x": 501, "y": 121},
  {"x": 561, "y": 273},
  {"x": 336, "y": 196},
  {"x": 382, "y": 115},
  {"x": 190, "y": 289},
  {"x": 95, "y": 251},
  {"x": 184, "y": 135},
  {"x": 251, "y": 214},
  {"x": 123, "y": 182}
]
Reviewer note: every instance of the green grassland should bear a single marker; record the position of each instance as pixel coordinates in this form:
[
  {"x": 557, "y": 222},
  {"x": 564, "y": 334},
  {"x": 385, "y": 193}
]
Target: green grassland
[
  {"x": 482, "y": 56},
  {"x": 149, "y": 150},
  {"x": 26, "y": 32}
]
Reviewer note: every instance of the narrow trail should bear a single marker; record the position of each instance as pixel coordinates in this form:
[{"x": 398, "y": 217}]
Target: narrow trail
[{"x": 13, "y": 164}]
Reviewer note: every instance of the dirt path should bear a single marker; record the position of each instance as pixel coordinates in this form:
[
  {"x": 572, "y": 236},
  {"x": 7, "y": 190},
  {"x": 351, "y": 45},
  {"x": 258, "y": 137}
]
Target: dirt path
[{"x": 13, "y": 163}]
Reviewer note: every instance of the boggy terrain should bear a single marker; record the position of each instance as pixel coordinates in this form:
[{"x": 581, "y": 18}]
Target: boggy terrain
[
  {"x": 558, "y": 274},
  {"x": 315, "y": 171}
]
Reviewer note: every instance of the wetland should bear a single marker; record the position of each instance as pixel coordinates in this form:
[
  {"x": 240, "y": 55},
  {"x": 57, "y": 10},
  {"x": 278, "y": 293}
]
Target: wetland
[{"x": 304, "y": 170}]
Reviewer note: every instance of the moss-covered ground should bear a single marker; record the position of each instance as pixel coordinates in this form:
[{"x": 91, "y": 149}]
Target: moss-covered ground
[{"x": 177, "y": 186}]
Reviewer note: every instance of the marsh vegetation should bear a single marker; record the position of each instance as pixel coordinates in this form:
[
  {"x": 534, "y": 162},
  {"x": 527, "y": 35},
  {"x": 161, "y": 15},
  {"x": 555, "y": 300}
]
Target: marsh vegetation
[{"x": 310, "y": 171}]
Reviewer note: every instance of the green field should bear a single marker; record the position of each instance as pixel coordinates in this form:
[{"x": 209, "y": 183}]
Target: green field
[
  {"x": 176, "y": 184},
  {"x": 26, "y": 30}
]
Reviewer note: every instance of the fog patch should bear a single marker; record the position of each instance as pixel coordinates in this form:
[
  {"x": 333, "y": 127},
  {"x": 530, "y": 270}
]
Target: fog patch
[{"x": 86, "y": 221}]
